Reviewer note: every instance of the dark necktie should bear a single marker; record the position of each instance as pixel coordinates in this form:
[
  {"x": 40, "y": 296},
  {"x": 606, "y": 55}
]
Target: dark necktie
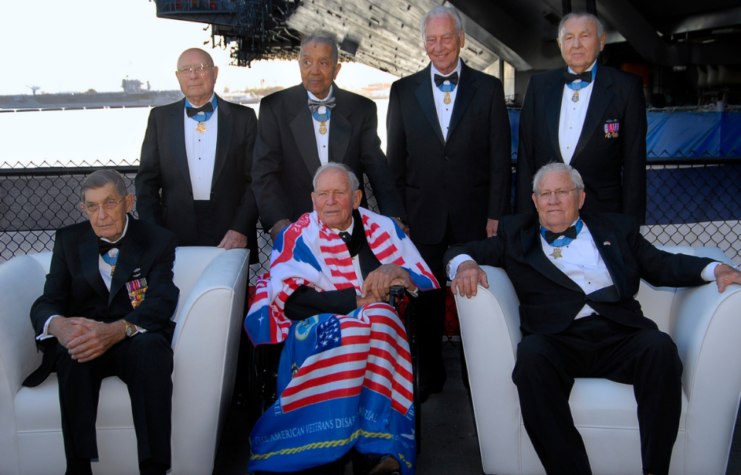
[
  {"x": 105, "y": 246},
  {"x": 315, "y": 105},
  {"x": 346, "y": 237},
  {"x": 207, "y": 107},
  {"x": 570, "y": 233},
  {"x": 586, "y": 76},
  {"x": 453, "y": 78}
]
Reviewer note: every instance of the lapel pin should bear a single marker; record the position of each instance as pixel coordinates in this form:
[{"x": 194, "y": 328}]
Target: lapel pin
[{"x": 606, "y": 243}]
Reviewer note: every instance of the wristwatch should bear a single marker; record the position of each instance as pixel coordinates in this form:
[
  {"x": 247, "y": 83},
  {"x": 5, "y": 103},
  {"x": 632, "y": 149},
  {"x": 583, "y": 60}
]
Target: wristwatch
[{"x": 130, "y": 329}]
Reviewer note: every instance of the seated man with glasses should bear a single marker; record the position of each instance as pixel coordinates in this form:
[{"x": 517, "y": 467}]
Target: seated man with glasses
[
  {"x": 106, "y": 311},
  {"x": 576, "y": 275}
]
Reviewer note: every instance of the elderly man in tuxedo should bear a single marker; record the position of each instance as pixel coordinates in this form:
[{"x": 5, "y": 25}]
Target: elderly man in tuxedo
[
  {"x": 576, "y": 275},
  {"x": 589, "y": 116},
  {"x": 196, "y": 159},
  {"x": 309, "y": 125},
  {"x": 449, "y": 149},
  {"x": 105, "y": 311}
]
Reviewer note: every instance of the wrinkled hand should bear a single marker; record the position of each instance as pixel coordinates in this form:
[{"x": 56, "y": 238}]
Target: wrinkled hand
[
  {"x": 233, "y": 240},
  {"x": 67, "y": 329},
  {"x": 403, "y": 226},
  {"x": 278, "y": 227},
  {"x": 726, "y": 275},
  {"x": 491, "y": 227},
  {"x": 97, "y": 341},
  {"x": 380, "y": 281},
  {"x": 467, "y": 278}
]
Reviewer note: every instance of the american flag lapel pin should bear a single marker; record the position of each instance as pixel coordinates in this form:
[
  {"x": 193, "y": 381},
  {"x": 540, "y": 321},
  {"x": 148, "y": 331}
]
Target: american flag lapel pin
[{"x": 606, "y": 243}]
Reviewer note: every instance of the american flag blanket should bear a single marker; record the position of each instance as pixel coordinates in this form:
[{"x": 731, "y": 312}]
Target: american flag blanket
[{"x": 344, "y": 381}]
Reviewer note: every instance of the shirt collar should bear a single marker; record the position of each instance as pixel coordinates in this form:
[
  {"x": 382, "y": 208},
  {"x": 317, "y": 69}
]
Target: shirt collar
[
  {"x": 126, "y": 226},
  {"x": 593, "y": 66},
  {"x": 188, "y": 103},
  {"x": 348, "y": 230},
  {"x": 312, "y": 96},
  {"x": 434, "y": 71}
]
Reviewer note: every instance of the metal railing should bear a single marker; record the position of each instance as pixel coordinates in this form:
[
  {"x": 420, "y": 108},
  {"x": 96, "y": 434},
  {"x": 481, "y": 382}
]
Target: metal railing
[{"x": 690, "y": 202}]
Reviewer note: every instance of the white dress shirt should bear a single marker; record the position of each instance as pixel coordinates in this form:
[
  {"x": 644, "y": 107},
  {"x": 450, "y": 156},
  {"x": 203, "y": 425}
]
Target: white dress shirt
[
  {"x": 200, "y": 148},
  {"x": 322, "y": 140},
  {"x": 444, "y": 111},
  {"x": 581, "y": 262},
  {"x": 572, "y": 117},
  {"x": 105, "y": 273}
]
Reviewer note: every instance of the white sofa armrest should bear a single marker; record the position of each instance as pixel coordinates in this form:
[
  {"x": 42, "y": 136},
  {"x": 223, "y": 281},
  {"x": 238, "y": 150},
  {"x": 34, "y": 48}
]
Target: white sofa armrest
[
  {"x": 706, "y": 326},
  {"x": 490, "y": 333},
  {"x": 22, "y": 281},
  {"x": 205, "y": 345}
]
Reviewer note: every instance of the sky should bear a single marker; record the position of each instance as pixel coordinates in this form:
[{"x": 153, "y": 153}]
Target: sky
[{"x": 94, "y": 44}]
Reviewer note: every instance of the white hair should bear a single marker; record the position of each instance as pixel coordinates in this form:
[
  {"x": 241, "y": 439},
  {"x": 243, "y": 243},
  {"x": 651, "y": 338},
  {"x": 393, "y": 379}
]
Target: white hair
[
  {"x": 442, "y": 10},
  {"x": 354, "y": 182},
  {"x": 576, "y": 179},
  {"x": 600, "y": 27}
]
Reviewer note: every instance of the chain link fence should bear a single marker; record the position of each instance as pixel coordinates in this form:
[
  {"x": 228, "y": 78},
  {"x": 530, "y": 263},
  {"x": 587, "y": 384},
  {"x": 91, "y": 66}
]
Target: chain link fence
[{"x": 690, "y": 202}]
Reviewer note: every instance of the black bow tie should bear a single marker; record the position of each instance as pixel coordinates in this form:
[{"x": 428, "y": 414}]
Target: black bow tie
[
  {"x": 453, "y": 78},
  {"x": 207, "y": 107},
  {"x": 346, "y": 237},
  {"x": 586, "y": 76},
  {"x": 105, "y": 246},
  {"x": 550, "y": 237},
  {"x": 315, "y": 105}
]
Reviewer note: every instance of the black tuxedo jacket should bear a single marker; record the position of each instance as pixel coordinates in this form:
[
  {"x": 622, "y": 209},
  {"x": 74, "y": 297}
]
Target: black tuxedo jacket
[
  {"x": 613, "y": 168},
  {"x": 286, "y": 155},
  {"x": 74, "y": 287},
  {"x": 549, "y": 300},
  {"x": 164, "y": 193},
  {"x": 465, "y": 178}
]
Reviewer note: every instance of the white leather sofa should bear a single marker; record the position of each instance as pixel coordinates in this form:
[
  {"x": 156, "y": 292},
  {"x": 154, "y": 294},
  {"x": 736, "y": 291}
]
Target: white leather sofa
[
  {"x": 706, "y": 326},
  {"x": 209, "y": 317}
]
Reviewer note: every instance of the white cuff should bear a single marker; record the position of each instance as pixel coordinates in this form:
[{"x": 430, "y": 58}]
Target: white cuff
[
  {"x": 708, "y": 273},
  {"x": 455, "y": 262},
  {"x": 140, "y": 329},
  {"x": 45, "y": 334}
]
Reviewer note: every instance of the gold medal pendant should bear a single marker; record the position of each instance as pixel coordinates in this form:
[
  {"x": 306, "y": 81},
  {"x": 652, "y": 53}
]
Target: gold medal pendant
[
  {"x": 447, "y": 98},
  {"x": 575, "y": 97},
  {"x": 201, "y": 127},
  {"x": 323, "y": 128},
  {"x": 556, "y": 253}
]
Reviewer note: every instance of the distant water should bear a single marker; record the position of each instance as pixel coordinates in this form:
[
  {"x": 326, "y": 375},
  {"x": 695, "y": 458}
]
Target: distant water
[{"x": 85, "y": 136}]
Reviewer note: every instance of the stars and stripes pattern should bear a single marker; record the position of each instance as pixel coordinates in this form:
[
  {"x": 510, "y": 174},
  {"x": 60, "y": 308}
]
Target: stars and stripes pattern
[
  {"x": 308, "y": 253},
  {"x": 369, "y": 350}
]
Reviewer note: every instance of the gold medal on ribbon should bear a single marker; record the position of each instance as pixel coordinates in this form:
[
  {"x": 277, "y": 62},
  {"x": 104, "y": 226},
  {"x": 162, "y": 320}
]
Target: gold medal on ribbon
[
  {"x": 556, "y": 253},
  {"x": 201, "y": 127},
  {"x": 323, "y": 128},
  {"x": 575, "y": 97},
  {"x": 447, "y": 98}
]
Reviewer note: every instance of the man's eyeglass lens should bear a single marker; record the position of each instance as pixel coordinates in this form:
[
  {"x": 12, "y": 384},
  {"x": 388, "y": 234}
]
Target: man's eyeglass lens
[
  {"x": 200, "y": 69},
  {"x": 108, "y": 205},
  {"x": 560, "y": 193}
]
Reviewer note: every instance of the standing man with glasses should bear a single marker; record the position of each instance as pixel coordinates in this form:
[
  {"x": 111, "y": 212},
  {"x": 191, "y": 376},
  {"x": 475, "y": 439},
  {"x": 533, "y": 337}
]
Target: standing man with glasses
[
  {"x": 106, "y": 309},
  {"x": 309, "y": 125},
  {"x": 196, "y": 159},
  {"x": 449, "y": 149},
  {"x": 589, "y": 116}
]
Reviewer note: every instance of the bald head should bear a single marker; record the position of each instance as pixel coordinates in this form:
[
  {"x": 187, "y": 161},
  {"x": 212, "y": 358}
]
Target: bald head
[{"x": 197, "y": 75}]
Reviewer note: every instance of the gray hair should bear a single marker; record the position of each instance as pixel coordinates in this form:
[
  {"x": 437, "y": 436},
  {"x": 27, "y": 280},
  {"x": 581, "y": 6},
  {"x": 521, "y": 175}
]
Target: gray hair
[
  {"x": 101, "y": 178},
  {"x": 322, "y": 38},
  {"x": 576, "y": 179},
  {"x": 438, "y": 11},
  {"x": 352, "y": 178},
  {"x": 600, "y": 27},
  {"x": 203, "y": 53}
]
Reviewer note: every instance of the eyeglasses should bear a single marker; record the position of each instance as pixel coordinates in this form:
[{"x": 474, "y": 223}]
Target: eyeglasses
[
  {"x": 559, "y": 193},
  {"x": 93, "y": 208},
  {"x": 200, "y": 69}
]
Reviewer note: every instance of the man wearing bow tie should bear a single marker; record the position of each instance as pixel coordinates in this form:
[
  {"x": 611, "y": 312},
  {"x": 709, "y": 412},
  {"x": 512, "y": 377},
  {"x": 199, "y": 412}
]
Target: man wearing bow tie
[
  {"x": 196, "y": 159},
  {"x": 449, "y": 148},
  {"x": 309, "y": 125},
  {"x": 106, "y": 309},
  {"x": 589, "y": 116},
  {"x": 576, "y": 276}
]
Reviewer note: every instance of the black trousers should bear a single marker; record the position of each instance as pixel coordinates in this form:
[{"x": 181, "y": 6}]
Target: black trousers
[
  {"x": 205, "y": 224},
  {"x": 144, "y": 363},
  {"x": 430, "y": 308},
  {"x": 596, "y": 347}
]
